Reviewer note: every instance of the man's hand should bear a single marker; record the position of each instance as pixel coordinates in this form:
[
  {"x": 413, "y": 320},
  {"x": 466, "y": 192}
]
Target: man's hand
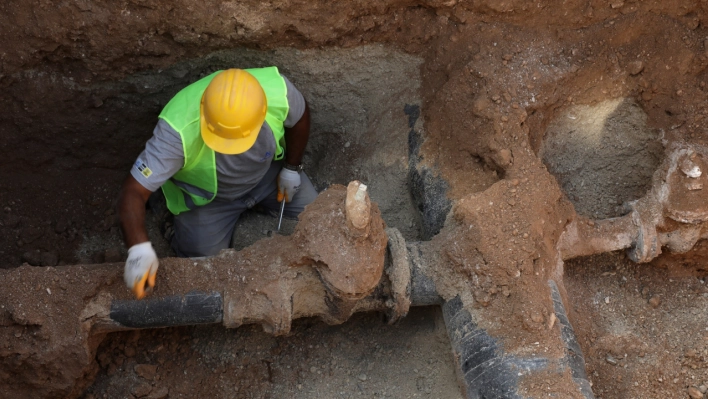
[
  {"x": 141, "y": 267},
  {"x": 288, "y": 184}
]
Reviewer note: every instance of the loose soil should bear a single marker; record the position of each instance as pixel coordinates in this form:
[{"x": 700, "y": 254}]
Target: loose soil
[
  {"x": 364, "y": 357},
  {"x": 642, "y": 327},
  {"x": 495, "y": 82}
]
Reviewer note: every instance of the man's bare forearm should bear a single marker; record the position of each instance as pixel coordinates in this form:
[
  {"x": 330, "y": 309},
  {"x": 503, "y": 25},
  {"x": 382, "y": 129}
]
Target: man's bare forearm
[
  {"x": 296, "y": 139},
  {"x": 131, "y": 211}
]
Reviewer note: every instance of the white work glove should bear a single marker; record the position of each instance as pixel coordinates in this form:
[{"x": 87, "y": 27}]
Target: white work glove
[
  {"x": 141, "y": 267},
  {"x": 288, "y": 184}
]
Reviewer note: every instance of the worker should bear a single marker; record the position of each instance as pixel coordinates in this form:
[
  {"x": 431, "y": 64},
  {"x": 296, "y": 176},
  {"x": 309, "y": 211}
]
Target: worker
[{"x": 222, "y": 145}]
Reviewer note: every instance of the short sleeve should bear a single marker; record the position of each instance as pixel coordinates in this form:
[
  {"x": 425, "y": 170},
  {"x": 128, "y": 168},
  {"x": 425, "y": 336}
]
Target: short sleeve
[
  {"x": 162, "y": 158},
  {"x": 296, "y": 102}
]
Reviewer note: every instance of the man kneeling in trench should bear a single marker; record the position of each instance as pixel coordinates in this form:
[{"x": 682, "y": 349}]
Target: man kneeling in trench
[{"x": 223, "y": 144}]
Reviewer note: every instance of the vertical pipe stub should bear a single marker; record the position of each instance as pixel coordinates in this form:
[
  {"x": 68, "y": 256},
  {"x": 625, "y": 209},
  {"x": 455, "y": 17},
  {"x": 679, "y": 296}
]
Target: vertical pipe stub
[{"x": 358, "y": 209}]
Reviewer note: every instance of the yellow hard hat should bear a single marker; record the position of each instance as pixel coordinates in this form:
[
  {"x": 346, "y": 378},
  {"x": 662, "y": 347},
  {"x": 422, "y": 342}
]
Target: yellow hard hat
[{"x": 233, "y": 109}]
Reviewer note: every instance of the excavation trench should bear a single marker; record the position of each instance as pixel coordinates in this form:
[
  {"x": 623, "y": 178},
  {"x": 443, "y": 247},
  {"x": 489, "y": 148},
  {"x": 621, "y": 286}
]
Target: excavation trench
[
  {"x": 368, "y": 126},
  {"x": 366, "y": 109}
]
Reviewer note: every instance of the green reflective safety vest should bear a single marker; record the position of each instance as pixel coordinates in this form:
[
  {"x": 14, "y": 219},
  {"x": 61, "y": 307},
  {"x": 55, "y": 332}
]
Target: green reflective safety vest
[{"x": 195, "y": 184}]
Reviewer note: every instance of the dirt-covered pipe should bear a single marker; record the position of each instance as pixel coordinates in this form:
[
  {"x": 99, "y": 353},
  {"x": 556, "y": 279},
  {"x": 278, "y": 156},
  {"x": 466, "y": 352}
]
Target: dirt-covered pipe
[
  {"x": 674, "y": 213},
  {"x": 53, "y": 319},
  {"x": 403, "y": 284},
  {"x": 486, "y": 370},
  {"x": 583, "y": 237}
]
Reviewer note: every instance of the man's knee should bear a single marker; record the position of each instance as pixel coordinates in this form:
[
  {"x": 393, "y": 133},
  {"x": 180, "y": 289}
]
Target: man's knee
[
  {"x": 307, "y": 193},
  {"x": 187, "y": 249},
  {"x": 304, "y": 197},
  {"x": 203, "y": 234}
]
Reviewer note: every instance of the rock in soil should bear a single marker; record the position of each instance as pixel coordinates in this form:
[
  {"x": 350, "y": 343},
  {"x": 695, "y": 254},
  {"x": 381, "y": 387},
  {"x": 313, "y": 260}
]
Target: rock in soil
[
  {"x": 655, "y": 301},
  {"x": 694, "y": 393}
]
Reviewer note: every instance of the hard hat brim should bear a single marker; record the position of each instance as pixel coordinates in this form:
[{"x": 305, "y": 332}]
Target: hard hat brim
[{"x": 228, "y": 146}]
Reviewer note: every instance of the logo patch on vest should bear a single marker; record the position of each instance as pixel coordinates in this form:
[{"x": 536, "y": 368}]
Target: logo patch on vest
[{"x": 143, "y": 169}]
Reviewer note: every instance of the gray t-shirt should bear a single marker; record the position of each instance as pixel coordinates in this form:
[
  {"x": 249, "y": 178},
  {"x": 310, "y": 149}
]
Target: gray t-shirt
[{"x": 236, "y": 174}]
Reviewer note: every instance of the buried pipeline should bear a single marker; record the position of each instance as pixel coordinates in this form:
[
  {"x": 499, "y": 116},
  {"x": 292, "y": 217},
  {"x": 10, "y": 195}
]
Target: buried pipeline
[{"x": 340, "y": 260}]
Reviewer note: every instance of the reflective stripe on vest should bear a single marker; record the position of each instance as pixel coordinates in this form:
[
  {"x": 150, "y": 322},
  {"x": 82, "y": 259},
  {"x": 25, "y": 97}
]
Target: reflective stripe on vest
[{"x": 195, "y": 184}]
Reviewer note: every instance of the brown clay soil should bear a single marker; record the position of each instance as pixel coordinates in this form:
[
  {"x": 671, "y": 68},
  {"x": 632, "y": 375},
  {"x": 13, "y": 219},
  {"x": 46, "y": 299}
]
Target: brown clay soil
[{"x": 499, "y": 84}]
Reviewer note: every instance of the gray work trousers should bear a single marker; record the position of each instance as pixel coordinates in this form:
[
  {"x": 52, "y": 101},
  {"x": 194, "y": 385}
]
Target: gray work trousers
[{"x": 206, "y": 230}]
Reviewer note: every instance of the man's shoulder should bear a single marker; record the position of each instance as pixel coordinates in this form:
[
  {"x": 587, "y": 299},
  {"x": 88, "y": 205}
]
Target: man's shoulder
[{"x": 166, "y": 133}]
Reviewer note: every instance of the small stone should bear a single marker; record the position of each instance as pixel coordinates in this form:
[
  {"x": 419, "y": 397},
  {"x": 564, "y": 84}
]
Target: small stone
[
  {"x": 655, "y": 301},
  {"x": 362, "y": 377},
  {"x": 129, "y": 351},
  {"x": 142, "y": 390},
  {"x": 552, "y": 320},
  {"x": 703, "y": 388},
  {"x": 18, "y": 334},
  {"x": 347, "y": 144},
  {"x": 505, "y": 157},
  {"x": 313, "y": 369},
  {"x": 34, "y": 258},
  {"x": 482, "y": 297},
  {"x": 694, "y": 393},
  {"x": 690, "y": 169},
  {"x": 146, "y": 371},
  {"x": 159, "y": 393},
  {"x": 694, "y": 186},
  {"x": 611, "y": 360},
  {"x": 635, "y": 68}
]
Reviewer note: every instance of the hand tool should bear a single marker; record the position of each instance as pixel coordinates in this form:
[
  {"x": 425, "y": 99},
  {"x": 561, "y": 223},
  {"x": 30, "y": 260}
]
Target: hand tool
[{"x": 282, "y": 208}]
